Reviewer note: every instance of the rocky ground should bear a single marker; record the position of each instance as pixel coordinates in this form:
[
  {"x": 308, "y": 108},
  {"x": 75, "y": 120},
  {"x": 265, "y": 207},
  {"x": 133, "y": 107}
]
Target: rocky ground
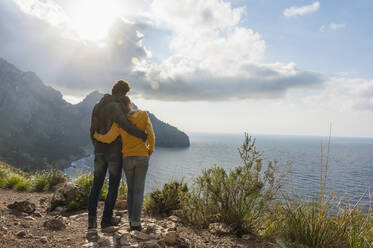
[{"x": 25, "y": 222}]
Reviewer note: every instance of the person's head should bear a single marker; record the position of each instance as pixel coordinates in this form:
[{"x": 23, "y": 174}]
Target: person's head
[
  {"x": 120, "y": 88},
  {"x": 126, "y": 104}
]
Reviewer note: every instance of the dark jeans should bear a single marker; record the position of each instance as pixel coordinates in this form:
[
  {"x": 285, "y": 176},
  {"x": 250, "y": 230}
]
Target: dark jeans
[
  {"x": 135, "y": 169},
  {"x": 103, "y": 161}
]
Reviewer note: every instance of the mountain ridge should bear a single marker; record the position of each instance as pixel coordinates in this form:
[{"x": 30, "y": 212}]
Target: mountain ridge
[{"x": 39, "y": 129}]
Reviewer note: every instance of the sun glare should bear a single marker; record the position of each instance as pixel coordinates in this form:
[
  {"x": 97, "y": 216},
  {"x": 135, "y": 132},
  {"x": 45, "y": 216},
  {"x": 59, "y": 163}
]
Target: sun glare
[{"x": 94, "y": 18}]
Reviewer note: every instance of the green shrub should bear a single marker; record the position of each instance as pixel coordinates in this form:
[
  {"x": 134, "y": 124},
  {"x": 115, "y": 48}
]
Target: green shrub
[
  {"x": 163, "y": 201},
  {"x": 315, "y": 225},
  {"x": 2, "y": 179},
  {"x": 324, "y": 223},
  {"x": 23, "y": 185},
  {"x": 239, "y": 198},
  {"x": 16, "y": 182},
  {"x": 46, "y": 180}
]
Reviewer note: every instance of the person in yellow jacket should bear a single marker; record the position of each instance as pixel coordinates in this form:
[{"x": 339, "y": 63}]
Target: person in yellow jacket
[{"x": 136, "y": 154}]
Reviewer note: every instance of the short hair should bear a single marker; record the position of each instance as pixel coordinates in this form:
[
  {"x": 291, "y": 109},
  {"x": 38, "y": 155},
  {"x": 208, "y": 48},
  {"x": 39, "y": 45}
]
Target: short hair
[
  {"x": 125, "y": 100},
  {"x": 121, "y": 87}
]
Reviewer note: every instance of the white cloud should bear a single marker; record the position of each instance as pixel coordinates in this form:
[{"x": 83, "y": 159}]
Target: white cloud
[
  {"x": 332, "y": 26},
  {"x": 213, "y": 57},
  {"x": 303, "y": 10},
  {"x": 335, "y": 26},
  {"x": 341, "y": 94}
]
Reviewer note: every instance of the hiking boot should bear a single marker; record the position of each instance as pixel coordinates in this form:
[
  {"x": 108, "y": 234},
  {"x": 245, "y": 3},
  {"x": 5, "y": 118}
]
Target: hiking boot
[
  {"x": 92, "y": 235},
  {"x": 135, "y": 228},
  {"x": 92, "y": 222},
  {"x": 113, "y": 221}
]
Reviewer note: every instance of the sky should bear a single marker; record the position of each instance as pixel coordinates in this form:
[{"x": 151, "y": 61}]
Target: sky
[{"x": 287, "y": 67}]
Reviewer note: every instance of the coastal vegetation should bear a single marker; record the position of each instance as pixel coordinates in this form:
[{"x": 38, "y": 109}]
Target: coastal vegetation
[{"x": 249, "y": 199}]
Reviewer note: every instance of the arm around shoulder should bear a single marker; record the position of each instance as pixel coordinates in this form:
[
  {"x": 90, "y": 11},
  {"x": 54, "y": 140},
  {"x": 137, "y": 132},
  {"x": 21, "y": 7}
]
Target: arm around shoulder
[{"x": 121, "y": 119}]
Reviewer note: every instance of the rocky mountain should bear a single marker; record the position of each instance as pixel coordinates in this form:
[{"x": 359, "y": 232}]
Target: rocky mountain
[{"x": 38, "y": 129}]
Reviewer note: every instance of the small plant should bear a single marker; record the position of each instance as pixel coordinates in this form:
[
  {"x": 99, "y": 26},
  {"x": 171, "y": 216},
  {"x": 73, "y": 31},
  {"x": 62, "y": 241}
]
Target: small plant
[
  {"x": 317, "y": 224},
  {"x": 46, "y": 180},
  {"x": 239, "y": 198},
  {"x": 16, "y": 182},
  {"x": 122, "y": 191},
  {"x": 163, "y": 201}
]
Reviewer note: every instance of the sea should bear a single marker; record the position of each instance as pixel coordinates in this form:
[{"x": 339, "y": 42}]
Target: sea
[{"x": 349, "y": 172}]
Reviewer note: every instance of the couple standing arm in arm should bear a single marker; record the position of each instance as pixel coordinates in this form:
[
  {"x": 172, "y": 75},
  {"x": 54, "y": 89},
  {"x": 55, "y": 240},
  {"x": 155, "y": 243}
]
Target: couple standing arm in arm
[{"x": 117, "y": 131}]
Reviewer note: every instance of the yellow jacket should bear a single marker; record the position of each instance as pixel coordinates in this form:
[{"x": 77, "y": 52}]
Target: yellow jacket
[{"x": 132, "y": 146}]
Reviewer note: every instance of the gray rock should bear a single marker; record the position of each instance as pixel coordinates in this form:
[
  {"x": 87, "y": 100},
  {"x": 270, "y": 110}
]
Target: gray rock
[
  {"x": 123, "y": 240},
  {"x": 23, "y": 206},
  {"x": 70, "y": 191},
  {"x": 102, "y": 242},
  {"x": 25, "y": 225},
  {"x": 37, "y": 214},
  {"x": 21, "y": 234},
  {"x": 44, "y": 239},
  {"x": 30, "y": 218},
  {"x": 55, "y": 224},
  {"x": 43, "y": 200},
  {"x": 65, "y": 194},
  {"x": 90, "y": 245},
  {"x": 170, "y": 238},
  {"x": 140, "y": 235}
]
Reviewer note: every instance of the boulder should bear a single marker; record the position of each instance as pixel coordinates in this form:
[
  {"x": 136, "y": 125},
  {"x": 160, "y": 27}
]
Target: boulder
[
  {"x": 64, "y": 195},
  {"x": 55, "y": 224},
  {"x": 23, "y": 206}
]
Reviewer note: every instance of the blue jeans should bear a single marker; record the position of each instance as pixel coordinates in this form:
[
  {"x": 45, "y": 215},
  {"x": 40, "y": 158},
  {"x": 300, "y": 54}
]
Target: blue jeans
[
  {"x": 103, "y": 161},
  {"x": 135, "y": 169}
]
